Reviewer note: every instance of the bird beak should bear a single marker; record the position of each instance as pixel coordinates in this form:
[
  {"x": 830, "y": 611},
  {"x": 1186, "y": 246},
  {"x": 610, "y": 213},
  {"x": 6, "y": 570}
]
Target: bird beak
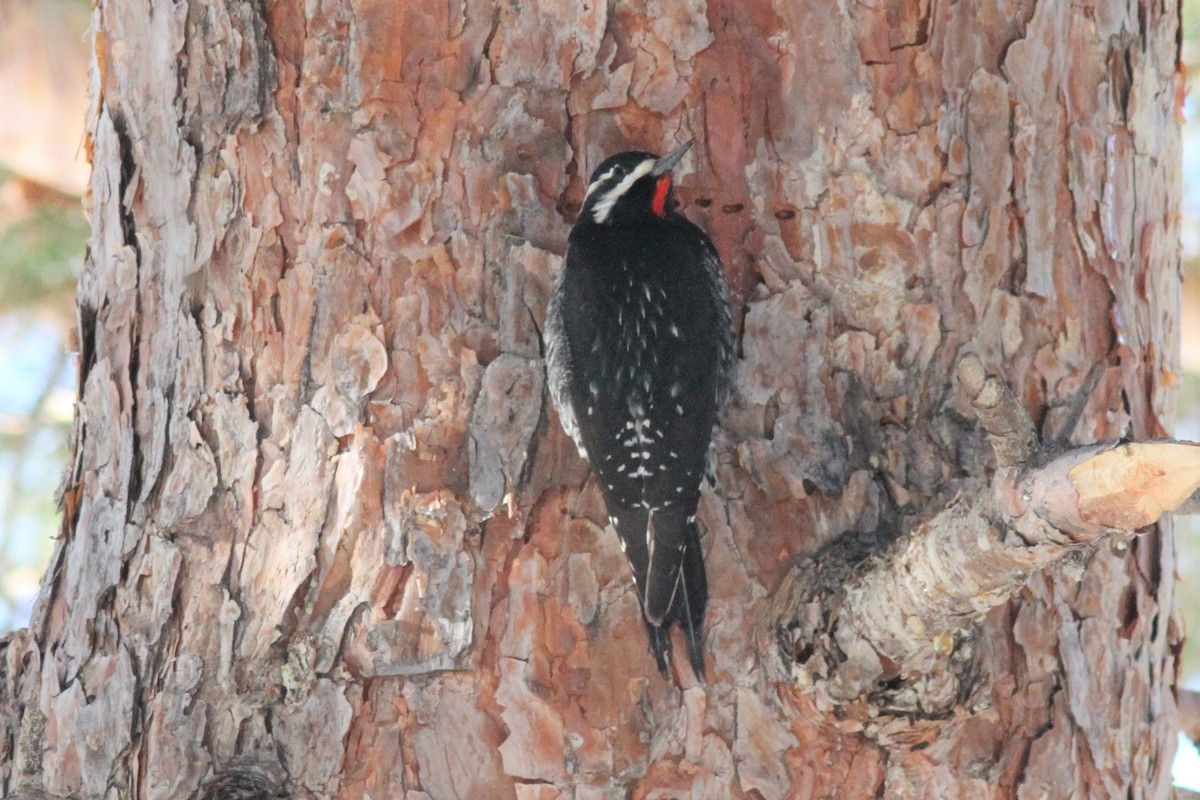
[{"x": 667, "y": 162}]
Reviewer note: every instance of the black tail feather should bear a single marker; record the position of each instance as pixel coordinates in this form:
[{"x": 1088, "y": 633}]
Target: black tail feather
[
  {"x": 660, "y": 643},
  {"x": 692, "y": 599},
  {"x": 668, "y": 534},
  {"x": 631, "y": 529},
  {"x": 671, "y": 580}
]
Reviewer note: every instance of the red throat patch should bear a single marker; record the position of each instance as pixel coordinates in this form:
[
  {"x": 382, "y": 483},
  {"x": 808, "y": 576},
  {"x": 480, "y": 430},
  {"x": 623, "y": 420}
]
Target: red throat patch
[{"x": 661, "y": 190}]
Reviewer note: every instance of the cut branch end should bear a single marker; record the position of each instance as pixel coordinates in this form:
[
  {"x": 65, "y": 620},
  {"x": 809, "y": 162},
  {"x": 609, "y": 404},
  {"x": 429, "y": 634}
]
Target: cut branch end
[{"x": 1132, "y": 485}]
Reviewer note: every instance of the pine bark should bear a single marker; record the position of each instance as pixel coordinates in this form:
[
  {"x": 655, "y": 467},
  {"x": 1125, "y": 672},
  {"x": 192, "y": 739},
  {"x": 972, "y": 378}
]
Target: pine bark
[{"x": 322, "y": 533}]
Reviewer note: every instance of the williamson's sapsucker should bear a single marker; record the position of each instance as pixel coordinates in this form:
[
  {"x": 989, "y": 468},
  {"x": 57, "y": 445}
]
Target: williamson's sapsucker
[{"x": 640, "y": 355}]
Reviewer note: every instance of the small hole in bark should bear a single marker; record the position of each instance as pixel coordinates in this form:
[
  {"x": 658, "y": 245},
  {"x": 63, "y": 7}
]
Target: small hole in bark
[
  {"x": 733, "y": 208},
  {"x": 785, "y": 214},
  {"x": 703, "y": 202}
]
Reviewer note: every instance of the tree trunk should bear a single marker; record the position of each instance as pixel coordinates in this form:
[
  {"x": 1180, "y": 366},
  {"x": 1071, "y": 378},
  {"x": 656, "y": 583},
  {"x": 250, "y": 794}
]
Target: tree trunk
[{"x": 323, "y": 534}]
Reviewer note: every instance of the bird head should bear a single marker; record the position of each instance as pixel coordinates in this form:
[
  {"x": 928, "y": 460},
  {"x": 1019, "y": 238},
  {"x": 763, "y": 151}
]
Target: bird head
[{"x": 630, "y": 187}]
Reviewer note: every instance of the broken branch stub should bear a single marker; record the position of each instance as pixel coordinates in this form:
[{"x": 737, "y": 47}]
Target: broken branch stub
[
  {"x": 1009, "y": 429},
  {"x": 885, "y": 636}
]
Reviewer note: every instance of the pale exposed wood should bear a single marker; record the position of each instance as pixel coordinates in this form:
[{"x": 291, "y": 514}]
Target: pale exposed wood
[
  {"x": 1132, "y": 485},
  {"x": 319, "y": 517}
]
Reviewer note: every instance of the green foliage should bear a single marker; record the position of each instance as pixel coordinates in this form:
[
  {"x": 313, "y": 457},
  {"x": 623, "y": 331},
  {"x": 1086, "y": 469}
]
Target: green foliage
[
  {"x": 1191, "y": 21},
  {"x": 40, "y": 256}
]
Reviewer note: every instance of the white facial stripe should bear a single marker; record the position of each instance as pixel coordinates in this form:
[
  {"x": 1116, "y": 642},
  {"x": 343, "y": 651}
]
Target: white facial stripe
[
  {"x": 592, "y": 186},
  {"x": 605, "y": 204}
]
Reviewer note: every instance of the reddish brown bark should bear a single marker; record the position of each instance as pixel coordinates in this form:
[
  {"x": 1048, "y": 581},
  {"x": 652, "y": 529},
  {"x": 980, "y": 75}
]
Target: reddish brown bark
[{"x": 321, "y": 521}]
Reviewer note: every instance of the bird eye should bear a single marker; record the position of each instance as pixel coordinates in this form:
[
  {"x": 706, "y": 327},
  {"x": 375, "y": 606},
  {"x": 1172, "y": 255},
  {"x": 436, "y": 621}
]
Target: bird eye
[{"x": 618, "y": 172}]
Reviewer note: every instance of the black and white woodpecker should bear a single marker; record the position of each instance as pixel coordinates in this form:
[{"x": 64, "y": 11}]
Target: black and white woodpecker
[{"x": 640, "y": 358}]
